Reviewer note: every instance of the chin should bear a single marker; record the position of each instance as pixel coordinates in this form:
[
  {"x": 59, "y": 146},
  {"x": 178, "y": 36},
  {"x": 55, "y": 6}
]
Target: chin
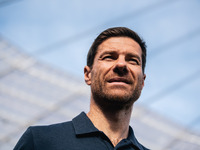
[
  {"x": 119, "y": 97},
  {"x": 119, "y": 93},
  {"x": 117, "y": 102}
]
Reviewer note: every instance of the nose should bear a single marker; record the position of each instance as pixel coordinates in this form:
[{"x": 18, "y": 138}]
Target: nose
[{"x": 121, "y": 66}]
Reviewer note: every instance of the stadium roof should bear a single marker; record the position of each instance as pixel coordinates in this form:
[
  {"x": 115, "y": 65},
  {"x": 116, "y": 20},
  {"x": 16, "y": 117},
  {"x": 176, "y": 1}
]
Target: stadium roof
[
  {"x": 43, "y": 51},
  {"x": 32, "y": 93}
]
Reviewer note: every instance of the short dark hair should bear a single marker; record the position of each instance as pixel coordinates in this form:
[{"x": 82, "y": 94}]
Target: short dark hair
[{"x": 116, "y": 32}]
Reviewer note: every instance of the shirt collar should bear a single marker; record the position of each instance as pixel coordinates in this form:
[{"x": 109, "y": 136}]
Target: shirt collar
[
  {"x": 133, "y": 139},
  {"x": 83, "y": 125}
]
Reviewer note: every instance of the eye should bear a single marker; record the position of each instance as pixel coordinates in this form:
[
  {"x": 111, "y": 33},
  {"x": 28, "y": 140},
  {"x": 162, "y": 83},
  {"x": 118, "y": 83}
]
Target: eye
[
  {"x": 134, "y": 61},
  {"x": 108, "y": 57}
]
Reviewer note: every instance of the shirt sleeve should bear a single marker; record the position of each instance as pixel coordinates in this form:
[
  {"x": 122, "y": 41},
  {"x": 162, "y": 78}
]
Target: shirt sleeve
[{"x": 26, "y": 141}]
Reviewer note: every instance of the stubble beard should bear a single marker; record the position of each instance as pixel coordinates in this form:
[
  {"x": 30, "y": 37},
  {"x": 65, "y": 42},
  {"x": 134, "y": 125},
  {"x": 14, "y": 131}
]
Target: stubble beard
[{"x": 114, "y": 102}]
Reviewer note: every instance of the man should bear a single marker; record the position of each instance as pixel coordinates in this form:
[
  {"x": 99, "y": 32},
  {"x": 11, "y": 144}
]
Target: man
[{"x": 115, "y": 72}]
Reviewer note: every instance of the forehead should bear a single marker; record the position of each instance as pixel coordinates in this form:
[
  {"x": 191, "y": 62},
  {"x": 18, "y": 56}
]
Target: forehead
[{"x": 120, "y": 45}]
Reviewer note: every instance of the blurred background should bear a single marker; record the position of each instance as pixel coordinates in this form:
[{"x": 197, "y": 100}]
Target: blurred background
[{"x": 43, "y": 48}]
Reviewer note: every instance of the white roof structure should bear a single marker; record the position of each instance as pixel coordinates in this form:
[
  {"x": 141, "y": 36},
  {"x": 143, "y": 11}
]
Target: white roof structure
[{"x": 32, "y": 93}]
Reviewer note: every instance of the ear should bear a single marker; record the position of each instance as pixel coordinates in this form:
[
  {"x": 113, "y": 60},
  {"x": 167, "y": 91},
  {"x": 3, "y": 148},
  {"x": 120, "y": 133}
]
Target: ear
[
  {"x": 144, "y": 77},
  {"x": 87, "y": 75}
]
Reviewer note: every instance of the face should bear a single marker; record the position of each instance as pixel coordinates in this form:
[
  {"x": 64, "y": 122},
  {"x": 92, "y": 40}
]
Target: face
[{"x": 116, "y": 75}]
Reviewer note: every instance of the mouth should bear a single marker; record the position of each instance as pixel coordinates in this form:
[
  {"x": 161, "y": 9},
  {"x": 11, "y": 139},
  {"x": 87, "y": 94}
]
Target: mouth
[{"x": 119, "y": 80}]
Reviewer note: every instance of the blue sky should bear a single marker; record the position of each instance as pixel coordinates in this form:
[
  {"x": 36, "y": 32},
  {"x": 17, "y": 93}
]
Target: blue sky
[{"x": 59, "y": 33}]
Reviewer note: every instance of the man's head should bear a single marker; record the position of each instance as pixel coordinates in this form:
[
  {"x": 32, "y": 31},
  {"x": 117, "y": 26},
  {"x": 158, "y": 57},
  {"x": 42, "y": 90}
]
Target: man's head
[
  {"x": 116, "y": 32},
  {"x": 115, "y": 68}
]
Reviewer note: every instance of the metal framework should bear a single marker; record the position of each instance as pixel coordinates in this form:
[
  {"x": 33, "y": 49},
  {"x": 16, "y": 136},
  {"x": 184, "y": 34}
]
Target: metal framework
[{"x": 32, "y": 93}]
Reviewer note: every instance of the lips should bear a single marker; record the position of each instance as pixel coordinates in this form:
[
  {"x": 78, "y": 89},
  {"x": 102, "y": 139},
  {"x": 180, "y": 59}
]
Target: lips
[{"x": 119, "y": 79}]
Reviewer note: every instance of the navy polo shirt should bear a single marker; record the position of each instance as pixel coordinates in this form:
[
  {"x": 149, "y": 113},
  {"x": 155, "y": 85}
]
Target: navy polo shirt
[{"x": 78, "y": 134}]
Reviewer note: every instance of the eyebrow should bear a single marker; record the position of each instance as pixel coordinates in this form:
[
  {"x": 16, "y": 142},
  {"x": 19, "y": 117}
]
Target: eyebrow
[
  {"x": 114, "y": 51},
  {"x": 107, "y": 52}
]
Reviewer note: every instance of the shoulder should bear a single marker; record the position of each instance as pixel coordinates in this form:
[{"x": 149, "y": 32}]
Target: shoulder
[
  {"x": 51, "y": 130},
  {"x": 38, "y": 136},
  {"x": 51, "y": 137},
  {"x": 51, "y": 126}
]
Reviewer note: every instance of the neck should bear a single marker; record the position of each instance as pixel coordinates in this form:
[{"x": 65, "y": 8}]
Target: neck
[{"x": 114, "y": 123}]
